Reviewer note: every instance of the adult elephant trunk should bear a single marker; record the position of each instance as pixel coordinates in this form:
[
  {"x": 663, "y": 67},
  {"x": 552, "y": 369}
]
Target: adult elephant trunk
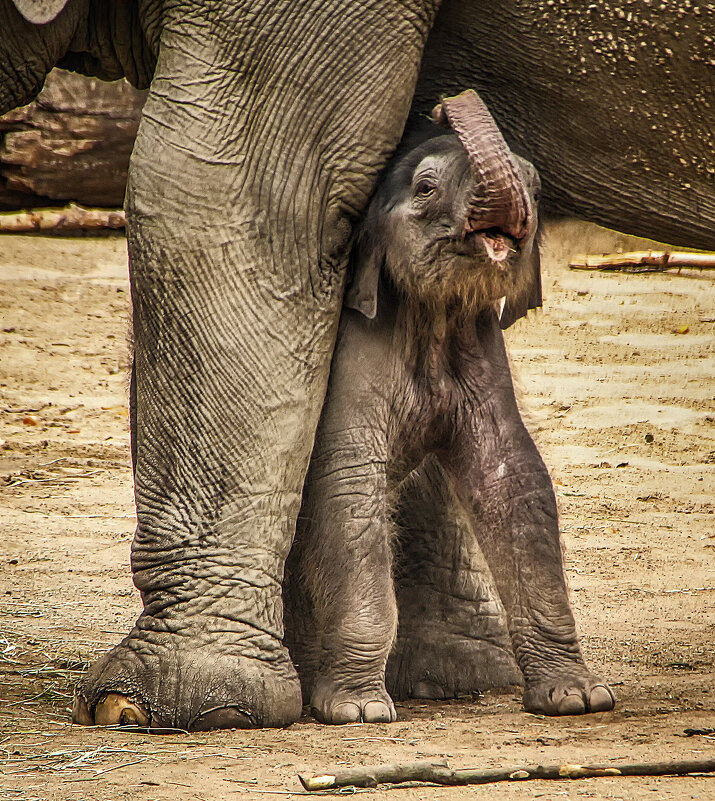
[{"x": 499, "y": 199}]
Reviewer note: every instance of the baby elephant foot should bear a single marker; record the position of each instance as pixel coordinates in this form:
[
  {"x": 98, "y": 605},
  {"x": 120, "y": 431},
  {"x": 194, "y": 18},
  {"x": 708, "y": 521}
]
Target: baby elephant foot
[
  {"x": 565, "y": 694},
  {"x": 333, "y": 704}
]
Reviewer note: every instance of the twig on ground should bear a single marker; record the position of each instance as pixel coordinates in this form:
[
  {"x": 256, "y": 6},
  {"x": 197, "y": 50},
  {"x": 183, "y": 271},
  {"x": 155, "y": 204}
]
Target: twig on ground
[
  {"x": 647, "y": 261},
  {"x": 16, "y": 481},
  {"x": 123, "y": 765},
  {"x": 375, "y": 739},
  {"x": 439, "y": 773}
]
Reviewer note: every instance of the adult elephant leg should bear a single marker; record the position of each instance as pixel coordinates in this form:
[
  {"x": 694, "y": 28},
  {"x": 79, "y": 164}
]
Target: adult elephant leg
[
  {"x": 452, "y": 638},
  {"x": 260, "y": 140}
]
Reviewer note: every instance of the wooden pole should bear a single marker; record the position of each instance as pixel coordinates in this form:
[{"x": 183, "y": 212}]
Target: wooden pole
[
  {"x": 438, "y": 772},
  {"x": 72, "y": 218},
  {"x": 646, "y": 261}
]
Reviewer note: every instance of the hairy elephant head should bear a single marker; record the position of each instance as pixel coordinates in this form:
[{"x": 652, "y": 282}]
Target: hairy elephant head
[{"x": 454, "y": 221}]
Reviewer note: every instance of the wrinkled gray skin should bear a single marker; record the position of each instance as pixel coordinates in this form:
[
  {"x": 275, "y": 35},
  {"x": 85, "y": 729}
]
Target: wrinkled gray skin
[
  {"x": 420, "y": 371},
  {"x": 261, "y": 141}
]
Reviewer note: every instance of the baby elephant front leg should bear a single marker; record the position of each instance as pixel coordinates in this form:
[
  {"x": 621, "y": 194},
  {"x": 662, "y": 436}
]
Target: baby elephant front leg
[
  {"x": 350, "y": 580},
  {"x": 505, "y": 486},
  {"x": 519, "y": 536}
]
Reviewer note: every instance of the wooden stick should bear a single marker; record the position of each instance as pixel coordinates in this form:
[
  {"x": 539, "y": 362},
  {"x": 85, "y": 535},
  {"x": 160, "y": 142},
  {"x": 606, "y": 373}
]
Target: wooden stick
[
  {"x": 71, "y": 218},
  {"x": 380, "y": 774},
  {"x": 439, "y": 773},
  {"x": 645, "y": 261}
]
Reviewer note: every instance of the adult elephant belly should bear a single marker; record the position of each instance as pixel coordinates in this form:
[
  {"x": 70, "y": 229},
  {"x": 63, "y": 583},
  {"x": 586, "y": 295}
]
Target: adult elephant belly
[
  {"x": 613, "y": 106},
  {"x": 260, "y": 141}
]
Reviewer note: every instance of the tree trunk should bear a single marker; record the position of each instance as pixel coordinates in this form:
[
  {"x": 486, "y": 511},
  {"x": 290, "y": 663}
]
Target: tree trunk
[{"x": 71, "y": 144}]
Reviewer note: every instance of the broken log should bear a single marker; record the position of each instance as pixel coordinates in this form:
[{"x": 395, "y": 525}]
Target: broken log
[
  {"x": 647, "y": 261},
  {"x": 72, "y": 218},
  {"x": 71, "y": 144},
  {"x": 438, "y": 772}
]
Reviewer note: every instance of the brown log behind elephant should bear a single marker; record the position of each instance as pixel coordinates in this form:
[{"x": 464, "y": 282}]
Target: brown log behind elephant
[{"x": 71, "y": 144}]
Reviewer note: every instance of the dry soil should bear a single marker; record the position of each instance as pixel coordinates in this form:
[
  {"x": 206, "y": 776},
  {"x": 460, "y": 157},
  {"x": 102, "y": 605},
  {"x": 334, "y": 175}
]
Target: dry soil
[{"x": 616, "y": 379}]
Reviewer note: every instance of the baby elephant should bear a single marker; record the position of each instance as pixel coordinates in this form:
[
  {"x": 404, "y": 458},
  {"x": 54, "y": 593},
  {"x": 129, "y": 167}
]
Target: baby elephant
[{"x": 446, "y": 254}]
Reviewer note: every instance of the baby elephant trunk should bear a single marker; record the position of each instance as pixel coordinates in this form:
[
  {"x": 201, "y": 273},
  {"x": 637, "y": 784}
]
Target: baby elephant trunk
[{"x": 500, "y": 199}]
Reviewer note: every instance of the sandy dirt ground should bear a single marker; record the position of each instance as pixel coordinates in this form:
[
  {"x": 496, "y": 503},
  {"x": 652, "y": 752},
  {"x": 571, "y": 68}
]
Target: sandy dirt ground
[{"x": 616, "y": 377}]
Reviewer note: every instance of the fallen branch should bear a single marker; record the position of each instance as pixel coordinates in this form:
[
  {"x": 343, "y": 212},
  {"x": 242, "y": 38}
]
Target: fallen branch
[
  {"x": 71, "y": 218},
  {"x": 440, "y": 773},
  {"x": 647, "y": 261}
]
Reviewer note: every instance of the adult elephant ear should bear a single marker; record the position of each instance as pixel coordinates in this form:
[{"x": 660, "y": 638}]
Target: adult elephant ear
[
  {"x": 502, "y": 198},
  {"x": 40, "y": 11}
]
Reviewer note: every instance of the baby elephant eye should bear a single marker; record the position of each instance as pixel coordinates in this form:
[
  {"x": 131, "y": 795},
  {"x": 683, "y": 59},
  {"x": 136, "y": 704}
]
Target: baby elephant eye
[{"x": 424, "y": 188}]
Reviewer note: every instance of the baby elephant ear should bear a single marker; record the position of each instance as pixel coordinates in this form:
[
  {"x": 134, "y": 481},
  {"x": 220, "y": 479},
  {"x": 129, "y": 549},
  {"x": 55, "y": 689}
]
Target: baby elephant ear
[
  {"x": 531, "y": 298},
  {"x": 361, "y": 294}
]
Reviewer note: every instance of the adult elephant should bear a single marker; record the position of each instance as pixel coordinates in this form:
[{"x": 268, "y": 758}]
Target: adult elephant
[{"x": 264, "y": 130}]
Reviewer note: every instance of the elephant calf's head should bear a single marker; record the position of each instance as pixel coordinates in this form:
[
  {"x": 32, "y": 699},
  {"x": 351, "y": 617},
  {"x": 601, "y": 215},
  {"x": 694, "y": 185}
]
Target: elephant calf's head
[{"x": 454, "y": 221}]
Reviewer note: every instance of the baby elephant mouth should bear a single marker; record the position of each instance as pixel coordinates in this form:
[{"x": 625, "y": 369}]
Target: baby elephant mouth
[{"x": 497, "y": 244}]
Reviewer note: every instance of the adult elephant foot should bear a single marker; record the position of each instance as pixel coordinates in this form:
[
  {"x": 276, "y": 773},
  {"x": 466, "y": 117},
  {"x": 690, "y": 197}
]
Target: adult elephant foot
[
  {"x": 568, "y": 691},
  {"x": 153, "y": 682},
  {"x": 332, "y": 703},
  {"x": 250, "y": 165}
]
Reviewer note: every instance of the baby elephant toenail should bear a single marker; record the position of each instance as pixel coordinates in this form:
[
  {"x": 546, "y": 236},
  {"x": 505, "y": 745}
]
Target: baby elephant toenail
[
  {"x": 601, "y": 699},
  {"x": 376, "y": 712},
  {"x": 345, "y": 713},
  {"x": 571, "y": 704}
]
